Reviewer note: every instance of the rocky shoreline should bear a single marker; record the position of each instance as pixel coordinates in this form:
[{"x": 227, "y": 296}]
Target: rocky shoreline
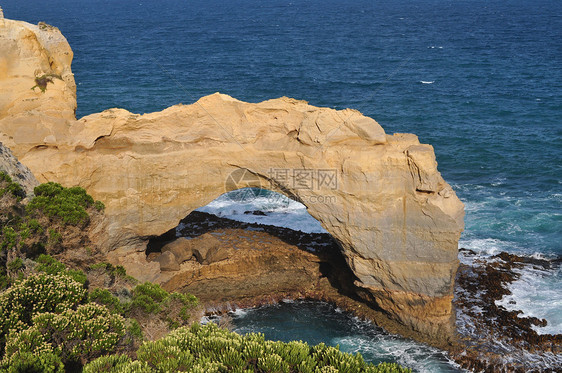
[
  {"x": 492, "y": 338},
  {"x": 487, "y": 332}
]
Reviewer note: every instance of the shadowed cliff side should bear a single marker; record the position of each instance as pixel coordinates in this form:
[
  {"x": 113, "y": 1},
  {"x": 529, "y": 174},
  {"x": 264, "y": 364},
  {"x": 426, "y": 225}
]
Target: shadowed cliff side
[{"x": 380, "y": 196}]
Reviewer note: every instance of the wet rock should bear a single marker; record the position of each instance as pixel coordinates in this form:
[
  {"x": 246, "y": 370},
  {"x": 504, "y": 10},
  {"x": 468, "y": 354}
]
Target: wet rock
[
  {"x": 494, "y": 339},
  {"x": 258, "y": 213}
]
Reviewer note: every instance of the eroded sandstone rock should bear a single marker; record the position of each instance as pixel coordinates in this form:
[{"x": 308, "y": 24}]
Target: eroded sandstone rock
[
  {"x": 168, "y": 261},
  {"x": 380, "y": 196},
  {"x": 38, "y": 90},
  {"x": 182, "y": 248},
  {"x": 208, "y": 250}
]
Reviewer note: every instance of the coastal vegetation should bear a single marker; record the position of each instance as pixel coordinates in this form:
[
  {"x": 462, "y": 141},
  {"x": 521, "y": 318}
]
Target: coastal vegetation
[{"x": 59, "y": 314}]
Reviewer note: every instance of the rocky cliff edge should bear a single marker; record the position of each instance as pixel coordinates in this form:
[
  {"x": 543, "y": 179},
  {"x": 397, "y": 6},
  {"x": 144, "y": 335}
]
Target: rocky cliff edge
[{"x": 380, "y": 196}]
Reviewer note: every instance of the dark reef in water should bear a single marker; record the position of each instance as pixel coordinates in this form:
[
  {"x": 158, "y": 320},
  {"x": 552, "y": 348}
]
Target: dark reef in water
[{"x": 492, "y": 338}]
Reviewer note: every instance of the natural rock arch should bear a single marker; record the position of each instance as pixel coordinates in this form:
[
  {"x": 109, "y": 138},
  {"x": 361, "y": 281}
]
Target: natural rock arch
[{"x": 397, "y": 221}]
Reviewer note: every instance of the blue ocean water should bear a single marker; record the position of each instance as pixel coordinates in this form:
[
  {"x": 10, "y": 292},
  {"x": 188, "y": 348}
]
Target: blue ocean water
[{"x": 480, "y": 80}]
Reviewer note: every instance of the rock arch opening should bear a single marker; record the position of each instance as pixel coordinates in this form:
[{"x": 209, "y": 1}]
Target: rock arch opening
[{"x": 251, "y": 246}]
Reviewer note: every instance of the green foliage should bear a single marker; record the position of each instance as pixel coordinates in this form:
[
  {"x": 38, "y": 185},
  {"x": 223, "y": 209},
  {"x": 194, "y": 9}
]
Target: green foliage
[
  {"x": 17, "y": 232},
  {"x": 98, "y": 205},
  {"x": 116, "y": 364},
  {"x": 29, "y": 227},
  {"x": 83, "y": 334},
  {"x": 41, "y": 81},
  {"x": 15, "y": 265},
  {"x": 211, "y": 349},
  {"x": 28, "y": 351},
  {"x": 8, "y": 186},
  {"x": 4, "y": 281},
  {"x": 134, "y": 329},
  {"x": 113, "y": 271},
  {"x": 104, "y": 297},
  {"x": 69, "y": 337},
  {"x": 51, "y": 266},
  {"x": 9, "y": 238},
  {"x": 66, "y": 204},
  {"x": 54, "y": 237},
  {"x": 37, "y": 294},
  {"x": 148, "y": 297}
]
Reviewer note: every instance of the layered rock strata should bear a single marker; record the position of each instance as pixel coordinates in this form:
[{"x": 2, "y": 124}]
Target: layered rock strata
[{"x": 380, "y": 196}]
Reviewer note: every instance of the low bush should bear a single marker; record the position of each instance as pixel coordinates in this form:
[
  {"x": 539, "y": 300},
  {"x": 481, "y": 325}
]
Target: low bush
[
  {"x": 37, "y": 294},
  {"x": 211, "y": 349},
  {"x": 105, "y": 298},
  {"x": 67, "y": 204},
  {"x": 81, "y": 335},
  {"x": 8, "y": 186},
  {"x": 149, "y": 298},
  {"x": 51, "y": 266}
]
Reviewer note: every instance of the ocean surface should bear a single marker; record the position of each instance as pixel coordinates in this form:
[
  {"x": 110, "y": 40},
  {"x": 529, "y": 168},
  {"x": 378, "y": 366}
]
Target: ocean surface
[{"x": 480, "y": 80}]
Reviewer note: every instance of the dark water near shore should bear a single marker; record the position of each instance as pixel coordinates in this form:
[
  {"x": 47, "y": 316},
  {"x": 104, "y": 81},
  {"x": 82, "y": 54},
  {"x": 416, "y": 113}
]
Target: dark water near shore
[
  {"x": 479, "y": 80},
  {"x": 317, "y": 322}
]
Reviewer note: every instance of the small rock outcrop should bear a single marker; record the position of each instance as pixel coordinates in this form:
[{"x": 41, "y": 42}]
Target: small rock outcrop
[
  {"x": 380, "y": 196},
  {"x": 168, "y": 261},
  {"x": 18, "y": 172},
  {"x": 205, "y": 249},
  {"x": 182, "y": 248}
]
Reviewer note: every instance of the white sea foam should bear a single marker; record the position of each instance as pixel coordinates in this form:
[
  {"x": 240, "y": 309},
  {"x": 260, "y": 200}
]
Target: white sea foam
[
  {"x": 427, "y": 82},
  {"x": 408, "y": 353},
  {"x": 537, "y": 293},
  {"x": 241, "y": 312},
  {"x": 280, "y": 211},
  {"x": 483, "y": 247}
]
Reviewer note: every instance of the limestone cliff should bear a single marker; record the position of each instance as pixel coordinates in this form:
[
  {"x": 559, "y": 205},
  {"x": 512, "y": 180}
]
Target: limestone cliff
[
  {"x": 380, "y": 196},
  {"x": 38, "y": 91}
]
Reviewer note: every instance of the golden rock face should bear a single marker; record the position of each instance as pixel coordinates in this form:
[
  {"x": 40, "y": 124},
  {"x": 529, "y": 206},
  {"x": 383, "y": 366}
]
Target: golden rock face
[{"x": 380, "y": 196}]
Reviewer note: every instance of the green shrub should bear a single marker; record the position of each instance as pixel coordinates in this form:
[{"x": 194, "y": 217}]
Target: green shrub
[
  {"x": 104, "y": 297},
  {"x": 9, "y": 238},
  {"x": 165, "y": 356},
  {"x": 54, "y": 237},
  {"x": 51, "y": 266},
  {"x": 15, "y": 265},
  {"x": 81, "y": 335},
  {"x": 134, "y": 330},
  {"x": 211, "y": 349},
  {"x": 37, "y": 294},
  {"x": 10, "y": 187},
  {"x": 4, "y": 281},
  {"x": 116, "y": 364},
  {"x": 150, "y": 298},
  {"x": 147, "y": 298},
  {"x": 66, "y": 204},
  {"x": 28, "y": 351},
  {"x": 98, "y": 205},
  {"x": 113, "y": 271}
]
